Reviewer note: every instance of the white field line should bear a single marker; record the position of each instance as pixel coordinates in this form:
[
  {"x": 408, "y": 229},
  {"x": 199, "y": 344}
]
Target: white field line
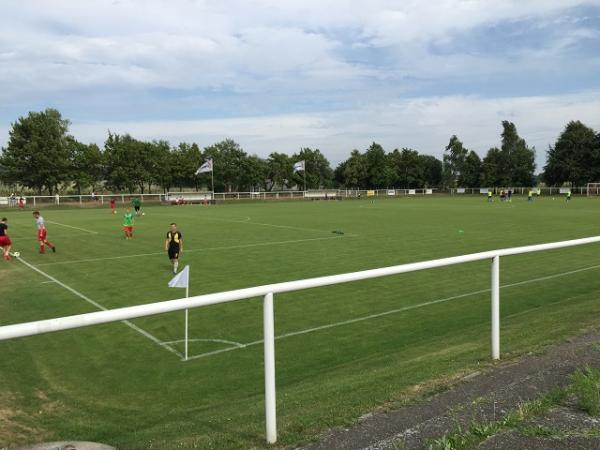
[
  {"x": 221, "y": 341},
  {"x": 392, "y": 311},
  {"x": 101, "y": 307},
  {"x": 248, "y": 221},
  {"x": 70, "y": 226},
  {"x": 228, "y": 247}
]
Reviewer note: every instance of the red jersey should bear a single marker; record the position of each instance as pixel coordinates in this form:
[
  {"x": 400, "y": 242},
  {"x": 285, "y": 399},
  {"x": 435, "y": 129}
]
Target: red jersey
[{"x": 112, "y": 203}]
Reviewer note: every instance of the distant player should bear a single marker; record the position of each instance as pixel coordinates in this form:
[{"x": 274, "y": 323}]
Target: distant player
[
  {"x": 42, "y": 233},
  {"x": 137, "y": 204},
  {"x": 568, "y": 196},
  {"x": 113, "y": 205},
  {"x": 4, "y": 239},
  {"x": 489, "y": 198},
  {"x": 530, "y": 196},
  {"x": 174, "y": 246},
  {"x": 128, "y": 224},
  {"x": 21, "y": 203},
  {"x": 509, "y": 195}
]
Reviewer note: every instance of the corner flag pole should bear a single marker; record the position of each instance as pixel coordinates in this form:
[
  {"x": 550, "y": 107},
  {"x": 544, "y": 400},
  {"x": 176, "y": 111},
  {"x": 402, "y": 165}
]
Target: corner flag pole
[{"x": 187, "y": 294}]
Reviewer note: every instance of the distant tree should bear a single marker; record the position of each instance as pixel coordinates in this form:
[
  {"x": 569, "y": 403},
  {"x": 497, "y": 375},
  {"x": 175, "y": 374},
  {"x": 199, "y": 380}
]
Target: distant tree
[
  {"x": 492, "y": 168},
  {"x": 124, "y": 162},
  {"x": 279, "y": 171},
  {"x": 575, "y": 157},
  {"x": 376, "y": 163},
  {"x": 471, "y": 175},
  {"x": 86, "y": 165},
  {"x": 432, "y": 169},
  {"x": 37, "y": 154},
  {"x": 517, "y": 160},
  {"x": 228, "y": 157},
  {"x": 354, "y": 171},
  {"x": 453, "y": 161},
  {"x": 318, "y": 170}
]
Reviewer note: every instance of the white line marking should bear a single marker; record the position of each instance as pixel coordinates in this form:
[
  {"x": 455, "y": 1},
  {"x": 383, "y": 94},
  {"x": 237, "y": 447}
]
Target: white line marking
[
  {"x": 47, "y": 282},
  {"x": 101, "y": 307},
  {"x": 392, "y": 311},
  {"x": 229, "y": 247},
  {"x": 221, "y": 341},
  {"x": 248, "y": 221},
  {"x": 75, "y": 228}
]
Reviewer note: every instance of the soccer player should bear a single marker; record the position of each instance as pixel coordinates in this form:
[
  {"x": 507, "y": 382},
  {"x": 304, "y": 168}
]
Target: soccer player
[
  {"x": 568, "y": 196},
  {"x": 174, "y": 246},
  {"x": 4, "y": 239},
  {"x": 113, "y": 205},
  {"x": 489, "y": 198},
  {"x": 128, "y": 224},
  {"x": 42, "y": 233},
  {"x": 137, "y": 204}
]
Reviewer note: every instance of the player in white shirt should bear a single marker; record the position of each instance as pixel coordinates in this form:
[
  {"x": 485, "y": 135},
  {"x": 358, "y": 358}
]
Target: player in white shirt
[{"x": 42, "y": 232}]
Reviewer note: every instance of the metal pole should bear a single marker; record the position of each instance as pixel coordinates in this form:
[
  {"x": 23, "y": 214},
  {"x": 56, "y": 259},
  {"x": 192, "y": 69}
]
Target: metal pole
[
  {"x": 496, "y": 307},
  {"x": 269, "y": 339},
  {"x": 187, "y": 294}
]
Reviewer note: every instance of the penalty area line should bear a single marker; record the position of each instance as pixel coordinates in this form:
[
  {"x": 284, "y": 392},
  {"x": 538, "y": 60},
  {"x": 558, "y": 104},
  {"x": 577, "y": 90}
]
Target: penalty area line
[
  {"x": 101, "y": 307},
  {"x": 392, "y": 311},
  {"x": 228, "y": 247},
  {"x": 70, "y": 226}
]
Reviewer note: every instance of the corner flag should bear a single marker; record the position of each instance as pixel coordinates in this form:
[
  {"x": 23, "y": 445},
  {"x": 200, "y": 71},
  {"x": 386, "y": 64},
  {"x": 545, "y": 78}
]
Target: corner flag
[
  {"x": 182, "y": 279},
  {"x": 206, "y": 167},
  {"x": 299, "y": 166}
]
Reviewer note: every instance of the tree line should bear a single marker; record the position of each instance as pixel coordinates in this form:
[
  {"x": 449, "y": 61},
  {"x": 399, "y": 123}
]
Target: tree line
[{"x": 43, "y": 156}]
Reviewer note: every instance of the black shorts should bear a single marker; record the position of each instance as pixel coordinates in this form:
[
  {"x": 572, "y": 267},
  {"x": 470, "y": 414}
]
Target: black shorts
[
  {"x": 137, "y": 208},
  {"x": 173, "y": 252}
]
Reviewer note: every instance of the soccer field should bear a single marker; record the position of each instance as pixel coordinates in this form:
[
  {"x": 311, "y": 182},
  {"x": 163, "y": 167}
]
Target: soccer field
[{"x": 341, "y": 350}]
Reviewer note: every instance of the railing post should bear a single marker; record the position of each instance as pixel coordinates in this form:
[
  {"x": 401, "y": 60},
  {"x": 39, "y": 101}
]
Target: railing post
[
  {"x": 495, "y": 307},
  {"x": 269, "y": 339}
]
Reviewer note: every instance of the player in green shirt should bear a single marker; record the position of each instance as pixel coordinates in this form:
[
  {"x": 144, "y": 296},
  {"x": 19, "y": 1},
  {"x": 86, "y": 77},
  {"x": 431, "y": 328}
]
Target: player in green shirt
[
  {"x": 128, "y": 224},
  {"x": 137, "y": 204}
]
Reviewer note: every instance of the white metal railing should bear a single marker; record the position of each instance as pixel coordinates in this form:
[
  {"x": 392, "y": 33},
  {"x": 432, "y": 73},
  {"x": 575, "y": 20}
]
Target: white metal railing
[{"x": 267, "y": 292}]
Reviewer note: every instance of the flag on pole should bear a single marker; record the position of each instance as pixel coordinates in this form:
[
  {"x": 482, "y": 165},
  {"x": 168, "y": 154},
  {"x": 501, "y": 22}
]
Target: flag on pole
[
  {"x": 206, "y": 167},
  {"x": 182, "y": 279},
  {"x": 299, "y": 166}
]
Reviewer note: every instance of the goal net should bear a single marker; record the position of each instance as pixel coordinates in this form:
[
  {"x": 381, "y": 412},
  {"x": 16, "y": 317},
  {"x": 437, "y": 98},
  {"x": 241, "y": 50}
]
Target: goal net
[{"x": 593, "y": 189}]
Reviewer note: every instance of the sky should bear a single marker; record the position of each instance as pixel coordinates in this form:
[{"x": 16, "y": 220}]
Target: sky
[{"x": 280, "y": 75}]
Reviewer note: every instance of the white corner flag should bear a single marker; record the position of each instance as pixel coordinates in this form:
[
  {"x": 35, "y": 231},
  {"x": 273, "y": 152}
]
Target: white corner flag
[
  {"x": 206, "y": 167},
  {"x": 299, "y": 166},
  {"x": 182, "y": 279}
]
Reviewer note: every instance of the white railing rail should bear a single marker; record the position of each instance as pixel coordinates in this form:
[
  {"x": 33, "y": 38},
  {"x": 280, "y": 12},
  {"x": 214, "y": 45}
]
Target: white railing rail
[{"x": 267, "y": 292}]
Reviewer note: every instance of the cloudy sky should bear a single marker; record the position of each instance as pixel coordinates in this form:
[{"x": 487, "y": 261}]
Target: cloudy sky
[{"x": 276, "y": 75}]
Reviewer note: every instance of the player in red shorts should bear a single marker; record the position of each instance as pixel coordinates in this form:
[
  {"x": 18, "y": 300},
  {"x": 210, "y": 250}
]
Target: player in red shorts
[
  {"x": 113, "y": 205},
  {"x": 42, "y": 232},
  {"x": 4, "y": 239}
]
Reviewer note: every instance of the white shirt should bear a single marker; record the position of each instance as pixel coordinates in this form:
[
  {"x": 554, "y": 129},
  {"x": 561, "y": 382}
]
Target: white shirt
[{"x": 40, "y": 222}]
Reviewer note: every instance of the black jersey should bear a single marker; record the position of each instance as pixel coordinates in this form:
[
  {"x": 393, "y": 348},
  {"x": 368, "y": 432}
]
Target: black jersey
[
  {"x": 3, "y": 228},
  {"x": 174, "y": 239}
]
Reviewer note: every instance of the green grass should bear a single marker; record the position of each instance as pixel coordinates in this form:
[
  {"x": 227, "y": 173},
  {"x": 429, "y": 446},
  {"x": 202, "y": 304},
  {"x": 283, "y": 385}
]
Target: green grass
[
  {"x": 586, "y": 387},
  {"x": 110, "y": 384}
]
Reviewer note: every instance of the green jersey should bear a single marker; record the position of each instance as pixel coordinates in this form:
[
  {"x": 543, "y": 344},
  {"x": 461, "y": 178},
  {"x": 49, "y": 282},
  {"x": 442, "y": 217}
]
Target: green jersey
[
  {"x": 128, "y": 220},
  {"x": 136, "y": 203}
]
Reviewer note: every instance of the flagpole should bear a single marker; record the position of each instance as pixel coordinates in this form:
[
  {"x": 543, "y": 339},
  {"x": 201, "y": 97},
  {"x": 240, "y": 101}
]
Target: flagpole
[
  {"x": 304, "y": 177},
  {"x": 212, "y": 179},
  {"x": 187, "y": 294}
]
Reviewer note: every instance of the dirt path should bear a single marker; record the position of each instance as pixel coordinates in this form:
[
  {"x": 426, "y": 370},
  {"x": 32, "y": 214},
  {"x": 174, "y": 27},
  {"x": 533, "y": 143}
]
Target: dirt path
[{"x": 500, "y": 406}]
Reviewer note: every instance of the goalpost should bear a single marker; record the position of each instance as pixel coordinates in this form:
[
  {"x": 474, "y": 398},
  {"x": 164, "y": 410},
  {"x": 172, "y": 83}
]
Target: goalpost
[{"x": 593, "y": 189}]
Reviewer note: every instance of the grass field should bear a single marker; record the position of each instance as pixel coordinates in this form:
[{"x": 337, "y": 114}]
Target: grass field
[{"x": 113, "y": 384}]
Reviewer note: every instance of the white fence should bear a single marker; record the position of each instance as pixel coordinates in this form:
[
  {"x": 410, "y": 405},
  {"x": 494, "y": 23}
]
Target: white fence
[
  {"x": 39, "y": 201},
  {"x": 267, "y": 292}
]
